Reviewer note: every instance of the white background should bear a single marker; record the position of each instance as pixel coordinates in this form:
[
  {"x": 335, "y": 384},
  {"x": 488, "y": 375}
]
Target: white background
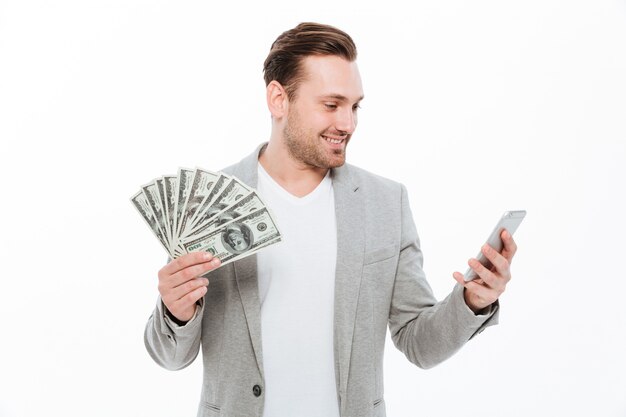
[{"x": 476, "y": 106}]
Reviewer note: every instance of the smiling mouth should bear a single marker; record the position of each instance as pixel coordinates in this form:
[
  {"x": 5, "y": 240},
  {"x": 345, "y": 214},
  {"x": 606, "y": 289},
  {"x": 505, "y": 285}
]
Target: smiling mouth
[{"x": 333, "y": 140}]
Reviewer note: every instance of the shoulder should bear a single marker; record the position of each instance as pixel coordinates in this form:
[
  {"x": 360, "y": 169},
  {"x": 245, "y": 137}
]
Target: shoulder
[
  {"x": 246, "y": 169},
  {"x": 245, "y": 163},
  {"x": 230, "y": 169},
  {"x": 370, "y": 181}
]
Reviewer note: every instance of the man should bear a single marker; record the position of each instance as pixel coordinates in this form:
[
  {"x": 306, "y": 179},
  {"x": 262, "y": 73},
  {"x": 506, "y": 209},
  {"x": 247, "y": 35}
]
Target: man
[{"x": 299, "y": 328}]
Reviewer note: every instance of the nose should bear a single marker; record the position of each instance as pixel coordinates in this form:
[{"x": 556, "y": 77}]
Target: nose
[{"x": 346, "y": 121}]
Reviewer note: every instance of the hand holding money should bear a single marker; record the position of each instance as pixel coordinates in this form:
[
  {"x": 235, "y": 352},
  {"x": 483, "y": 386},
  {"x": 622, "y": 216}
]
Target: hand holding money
[{"x": 181, "y": 283}]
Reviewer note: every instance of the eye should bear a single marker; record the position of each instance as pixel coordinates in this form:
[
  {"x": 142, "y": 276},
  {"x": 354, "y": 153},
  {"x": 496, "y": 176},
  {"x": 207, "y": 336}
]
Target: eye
[
  {"x": 356, "y": 107},
  {"x": 330, "y": 106}
]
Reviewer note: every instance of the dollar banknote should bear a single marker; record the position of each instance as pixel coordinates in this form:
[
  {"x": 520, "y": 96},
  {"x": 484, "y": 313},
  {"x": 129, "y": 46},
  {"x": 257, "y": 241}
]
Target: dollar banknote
[
  {"x": 201, "y": 185},
  {"x": 184, "y": 179},
  {"x": 160, "y": 193},
  {"x": 241, "y": 236},
  {"x": 140, "y": 202},
  {"x": 169, "y": 190},
  {"x": 150, "y": 191}
]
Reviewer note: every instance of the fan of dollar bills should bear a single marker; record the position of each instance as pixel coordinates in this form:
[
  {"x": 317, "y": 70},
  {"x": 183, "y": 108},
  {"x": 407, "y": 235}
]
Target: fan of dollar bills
[{"x": 200, "y": 210}]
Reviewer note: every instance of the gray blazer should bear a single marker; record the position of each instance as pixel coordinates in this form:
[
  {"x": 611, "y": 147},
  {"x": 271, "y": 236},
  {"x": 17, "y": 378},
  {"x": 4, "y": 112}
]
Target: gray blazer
[{"x": 379, "y": 281}]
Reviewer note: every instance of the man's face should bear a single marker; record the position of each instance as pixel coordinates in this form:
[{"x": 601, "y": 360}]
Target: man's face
[{"x": 323, "y": 115}]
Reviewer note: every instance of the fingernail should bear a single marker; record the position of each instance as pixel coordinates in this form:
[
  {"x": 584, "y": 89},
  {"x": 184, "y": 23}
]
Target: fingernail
[
  {"x": 215, "y": 261},
  {"x": 207, "y": 255}
]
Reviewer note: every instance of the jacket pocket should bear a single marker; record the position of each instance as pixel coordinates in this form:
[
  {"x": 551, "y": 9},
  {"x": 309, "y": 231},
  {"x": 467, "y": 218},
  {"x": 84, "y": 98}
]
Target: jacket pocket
[
  {"x": 379, "y": 408},
  {"x": 380, "y": 254},
  {"x": 208, "y": 410}
]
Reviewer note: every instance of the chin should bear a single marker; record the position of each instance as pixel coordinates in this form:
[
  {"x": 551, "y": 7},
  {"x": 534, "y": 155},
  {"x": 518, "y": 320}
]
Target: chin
[{"x": 335, "y": 162}]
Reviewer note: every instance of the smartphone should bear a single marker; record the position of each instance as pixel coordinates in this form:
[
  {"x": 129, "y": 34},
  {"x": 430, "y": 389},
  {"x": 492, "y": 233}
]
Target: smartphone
[{"x": 510, "y": 220}]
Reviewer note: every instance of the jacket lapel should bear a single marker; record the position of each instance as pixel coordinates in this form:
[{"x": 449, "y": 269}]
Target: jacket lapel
[
  {"x": 246, "y": 268},
  {"x": 247, "y": 284},
  {"x": 350, "y": 215}
]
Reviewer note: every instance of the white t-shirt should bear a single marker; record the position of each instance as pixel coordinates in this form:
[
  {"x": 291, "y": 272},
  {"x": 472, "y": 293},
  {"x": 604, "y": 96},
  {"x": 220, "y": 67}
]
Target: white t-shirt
[{"x": 296, "y": 289}]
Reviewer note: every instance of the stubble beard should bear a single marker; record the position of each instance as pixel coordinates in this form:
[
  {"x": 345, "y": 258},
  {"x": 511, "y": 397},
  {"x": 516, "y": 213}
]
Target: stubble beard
[{"x": 305, "y": 146}]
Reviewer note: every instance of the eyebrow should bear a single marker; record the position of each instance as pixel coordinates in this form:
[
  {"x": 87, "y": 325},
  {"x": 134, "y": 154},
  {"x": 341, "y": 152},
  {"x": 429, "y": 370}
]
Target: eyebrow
[{"x": 340, "y": 97}]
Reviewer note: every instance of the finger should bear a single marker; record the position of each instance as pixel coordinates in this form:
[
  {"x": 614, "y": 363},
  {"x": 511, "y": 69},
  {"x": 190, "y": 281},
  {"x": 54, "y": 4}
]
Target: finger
[
  {"x": 185, "y": 261},
  {"x": 498, "y": 261},
  {"x": 191, "y": 272},
  {"x": 175, "y": 294},
  {"x": 189, "y": 299},
  {"x": 489, "y": 278},
  {"x": 459, "y": 277},
  {"x": 481, "y": 295},
  {"x": 510, "y": 247},
  {"x": 477, "y": 294}
]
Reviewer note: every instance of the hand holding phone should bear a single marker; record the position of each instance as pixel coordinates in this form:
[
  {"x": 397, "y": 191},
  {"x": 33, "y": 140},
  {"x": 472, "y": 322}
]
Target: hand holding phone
[{"x": 510, "y": 220}]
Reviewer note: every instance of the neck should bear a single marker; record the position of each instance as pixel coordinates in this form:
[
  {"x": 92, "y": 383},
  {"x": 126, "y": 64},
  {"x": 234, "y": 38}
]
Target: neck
[{"x": 294, "y": 176}]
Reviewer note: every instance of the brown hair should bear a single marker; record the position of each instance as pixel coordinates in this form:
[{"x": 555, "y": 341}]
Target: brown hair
[{"x": 283, "y": 63}]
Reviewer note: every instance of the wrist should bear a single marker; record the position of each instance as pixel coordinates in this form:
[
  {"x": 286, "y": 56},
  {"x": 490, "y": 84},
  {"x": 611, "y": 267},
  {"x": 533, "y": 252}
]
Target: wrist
[
  {"x": 477, "y": 307},
  {"x": 183, "y": 319}
]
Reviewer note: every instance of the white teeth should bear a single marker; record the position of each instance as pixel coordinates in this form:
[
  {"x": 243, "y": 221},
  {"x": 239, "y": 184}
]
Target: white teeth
[{"x": 336, "y": 141}]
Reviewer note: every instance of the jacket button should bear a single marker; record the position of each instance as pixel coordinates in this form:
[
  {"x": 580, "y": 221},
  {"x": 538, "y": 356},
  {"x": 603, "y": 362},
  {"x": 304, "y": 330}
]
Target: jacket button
[{"x": 256, "y": 390}]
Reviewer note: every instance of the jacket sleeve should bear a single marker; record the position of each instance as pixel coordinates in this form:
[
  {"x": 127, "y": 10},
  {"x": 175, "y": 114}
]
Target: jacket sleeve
[
  {"x": 426, "y": 331},
  {"x": 172, "y": 346}
]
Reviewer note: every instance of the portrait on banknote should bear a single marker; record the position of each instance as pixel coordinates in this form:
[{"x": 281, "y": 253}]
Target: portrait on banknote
[{"x": 237, "y": 238}]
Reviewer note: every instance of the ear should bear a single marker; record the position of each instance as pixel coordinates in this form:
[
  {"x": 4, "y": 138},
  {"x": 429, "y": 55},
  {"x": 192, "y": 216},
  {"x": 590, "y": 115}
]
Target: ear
[{"x": 277, "y": 100}]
